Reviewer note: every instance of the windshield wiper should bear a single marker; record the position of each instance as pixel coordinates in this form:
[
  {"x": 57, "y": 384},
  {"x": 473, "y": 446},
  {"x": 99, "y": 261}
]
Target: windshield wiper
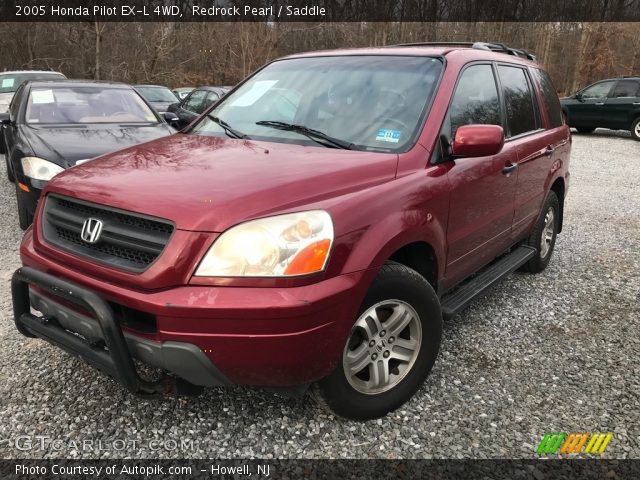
[
  {"x": 228, "y": 129},
  {"x": 309, "y": 132}
]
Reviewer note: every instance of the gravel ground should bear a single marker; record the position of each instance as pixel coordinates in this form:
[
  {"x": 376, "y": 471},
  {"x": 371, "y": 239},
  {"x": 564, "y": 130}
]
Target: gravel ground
[{"x": 554, "y": 352}]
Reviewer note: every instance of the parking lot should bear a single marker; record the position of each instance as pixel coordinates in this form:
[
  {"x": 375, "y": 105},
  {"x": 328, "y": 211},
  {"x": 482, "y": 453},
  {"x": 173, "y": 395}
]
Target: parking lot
[{"x": 552, "y": 352}]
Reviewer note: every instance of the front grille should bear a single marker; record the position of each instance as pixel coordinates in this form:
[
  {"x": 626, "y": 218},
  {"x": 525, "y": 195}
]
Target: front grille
[{"x": 129, "y": 240}]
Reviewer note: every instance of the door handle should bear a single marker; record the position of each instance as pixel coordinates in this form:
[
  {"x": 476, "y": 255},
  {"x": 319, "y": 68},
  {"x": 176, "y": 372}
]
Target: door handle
[
  {"x": 509, "y": 168},
  {"x": 599, "y": 103},
  {"x": 636, "y": 103},
  {"x": 549, "y": 151}
]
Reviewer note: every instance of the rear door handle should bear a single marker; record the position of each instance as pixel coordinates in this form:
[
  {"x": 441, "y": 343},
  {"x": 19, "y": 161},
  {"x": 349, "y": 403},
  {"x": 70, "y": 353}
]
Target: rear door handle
[{"x": 509, "y": 168}]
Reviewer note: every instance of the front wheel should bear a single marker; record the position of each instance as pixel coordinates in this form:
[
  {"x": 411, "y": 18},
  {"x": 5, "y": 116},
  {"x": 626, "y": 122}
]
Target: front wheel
[
  {"x": 635, "y": 129},
  {"x": 391, "y": 349}
]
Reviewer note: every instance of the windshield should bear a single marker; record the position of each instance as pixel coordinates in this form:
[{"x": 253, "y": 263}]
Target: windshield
[
  {"x": 72, "y": 105},
  {"x": 157, "y": 94},
  {"x": 9, "y": 82},
  {"x": 368, "y": 102}
]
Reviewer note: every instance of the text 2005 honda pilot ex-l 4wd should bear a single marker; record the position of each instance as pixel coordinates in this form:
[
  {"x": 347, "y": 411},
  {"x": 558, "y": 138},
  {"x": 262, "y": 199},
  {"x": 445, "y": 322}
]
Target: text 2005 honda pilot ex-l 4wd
[{"x": 314, "y": 226}]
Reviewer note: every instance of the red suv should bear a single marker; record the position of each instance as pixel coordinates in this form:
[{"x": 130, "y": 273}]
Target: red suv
[{"x": 315, "y": 225}]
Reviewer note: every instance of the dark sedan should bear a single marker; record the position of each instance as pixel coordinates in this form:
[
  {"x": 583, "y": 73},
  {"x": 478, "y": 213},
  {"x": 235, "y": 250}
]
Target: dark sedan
[
  {"x": 158, "y": 96},
  {"x": 612, "y": 103},
  {"x": 189, "y": 108},
  {"x": 52, "y": 126}
]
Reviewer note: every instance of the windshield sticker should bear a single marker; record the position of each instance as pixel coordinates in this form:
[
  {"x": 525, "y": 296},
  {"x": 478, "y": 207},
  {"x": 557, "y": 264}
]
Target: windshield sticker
[
  {"x": 42, "y": 96},
  {"x": 258, "y": 89},
  {"x": 7, "y": 82},
  {"x": 386, "y": 135}
]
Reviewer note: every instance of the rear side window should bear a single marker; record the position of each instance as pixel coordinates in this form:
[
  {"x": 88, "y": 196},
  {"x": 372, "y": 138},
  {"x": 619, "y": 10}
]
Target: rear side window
[
  {"x": 549, "y": 97},
  {"x": 518, "y": 99},
  {"x": 599, "y": 90},
  {"x": 475, "y": 100},
  {"x": 626, "y": 89}
]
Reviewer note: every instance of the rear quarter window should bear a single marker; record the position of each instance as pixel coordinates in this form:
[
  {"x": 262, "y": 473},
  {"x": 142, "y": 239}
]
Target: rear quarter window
[{"x": 549, "y": 97}]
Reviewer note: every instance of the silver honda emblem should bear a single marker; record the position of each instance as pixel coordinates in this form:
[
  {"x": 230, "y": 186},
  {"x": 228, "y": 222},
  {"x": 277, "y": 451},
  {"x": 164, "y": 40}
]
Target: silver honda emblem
[{"x": 91, "y": 230}]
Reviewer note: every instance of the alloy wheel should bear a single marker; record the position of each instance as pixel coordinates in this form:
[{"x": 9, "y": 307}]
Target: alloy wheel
[
  {"x": 547, "y": 233},
  {"x": 383, "y": 347}
]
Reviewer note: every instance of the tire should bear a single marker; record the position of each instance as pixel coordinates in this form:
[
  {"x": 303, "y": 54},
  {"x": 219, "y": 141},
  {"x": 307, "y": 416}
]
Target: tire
[
  {"x": 585, "y": 129},
  {"x": 546, "y": 226},
  {"x": 25, "y": 219},
  {"x": 635, "y": 129},
  {"x": 10, "y": 175},
  {"x": 400, "y": 290}
]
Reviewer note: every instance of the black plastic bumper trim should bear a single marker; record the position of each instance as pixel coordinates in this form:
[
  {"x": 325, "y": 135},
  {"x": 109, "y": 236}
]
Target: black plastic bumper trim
[{"x": 116, "y": 361}]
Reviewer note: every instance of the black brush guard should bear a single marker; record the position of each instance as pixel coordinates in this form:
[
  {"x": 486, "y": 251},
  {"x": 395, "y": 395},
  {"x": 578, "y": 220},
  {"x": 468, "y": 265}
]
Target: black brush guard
[{"x": 116, "y": 361}]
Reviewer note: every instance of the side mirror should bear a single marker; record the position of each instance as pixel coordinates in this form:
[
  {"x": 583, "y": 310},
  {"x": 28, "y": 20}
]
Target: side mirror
[
  {"x": 579, "y": 97},
  {"x": 5, "y": 118},
  {"x": 477, "y": 141},
  {"x": 171, "y": 118}
]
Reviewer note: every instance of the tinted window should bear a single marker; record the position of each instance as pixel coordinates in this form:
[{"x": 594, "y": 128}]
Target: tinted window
[
  {"x": 375, "y": 102},
  {"x": 550, "y": 98},
  {"x": 475, "y": 100},
  {"x": 211, "y": 97},
  {"x": 521, "y": 113},
  {"x": 599, "y": 90},
  {"x": 194, "y": 101},
  {"x": 626, "y": 88}
]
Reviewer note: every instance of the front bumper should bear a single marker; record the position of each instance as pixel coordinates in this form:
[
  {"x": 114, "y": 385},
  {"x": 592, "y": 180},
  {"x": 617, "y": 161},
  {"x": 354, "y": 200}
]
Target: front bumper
[
  {"x": 99, "y": 340},
  {"x": 207, "y": 335}
]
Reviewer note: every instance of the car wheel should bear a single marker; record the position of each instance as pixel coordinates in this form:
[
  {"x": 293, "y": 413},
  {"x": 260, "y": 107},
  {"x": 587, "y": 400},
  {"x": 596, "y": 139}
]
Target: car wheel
[
  {"x": 10, "y": 175},
  {"x": 25, "y": 219},
  {"x": 635, "y": 129},
  {"x": 391, "y": 348},
  {"x": 585, "y": 129},
  {"x": 544, "y": 235}
]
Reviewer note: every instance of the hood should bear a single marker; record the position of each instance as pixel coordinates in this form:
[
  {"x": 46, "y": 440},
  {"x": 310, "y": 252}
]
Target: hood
[
  {"x": 211, "y": 183},
  {"x": 66, "y": 145}
]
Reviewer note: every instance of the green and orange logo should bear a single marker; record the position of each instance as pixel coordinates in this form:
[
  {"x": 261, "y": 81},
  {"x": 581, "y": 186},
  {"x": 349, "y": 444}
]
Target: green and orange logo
[{"x": 574, "y": 443}]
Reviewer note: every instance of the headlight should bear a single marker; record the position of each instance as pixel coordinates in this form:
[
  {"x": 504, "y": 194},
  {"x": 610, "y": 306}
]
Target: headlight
[
  {"x": 39, "y": 168},
  {"x": 281, "y": 246}
]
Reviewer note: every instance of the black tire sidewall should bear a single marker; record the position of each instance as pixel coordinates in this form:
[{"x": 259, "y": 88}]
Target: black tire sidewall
[
  {"x": 538, "y": 263},
  {"x": 394, "y": 282}
]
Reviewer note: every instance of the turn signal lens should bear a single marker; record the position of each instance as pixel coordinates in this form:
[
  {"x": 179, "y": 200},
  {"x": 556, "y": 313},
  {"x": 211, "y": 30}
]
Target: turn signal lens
[{"x": 310, "y": 259}]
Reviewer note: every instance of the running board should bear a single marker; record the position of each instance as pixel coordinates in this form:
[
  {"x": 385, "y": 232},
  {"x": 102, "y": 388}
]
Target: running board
[{"x": 453, "y": 303}]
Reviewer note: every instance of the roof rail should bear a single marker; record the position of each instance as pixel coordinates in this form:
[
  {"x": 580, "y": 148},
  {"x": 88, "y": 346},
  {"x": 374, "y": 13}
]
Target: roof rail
[
  {"x": 492, "y": 46},
  {"x": 502, "y": 48},
  {"x": 434, "y": 44}
]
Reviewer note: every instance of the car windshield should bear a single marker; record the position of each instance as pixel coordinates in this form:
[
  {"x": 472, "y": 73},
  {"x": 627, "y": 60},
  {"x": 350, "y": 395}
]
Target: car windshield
[
  {"x": 364, "y": 102},
  {"x": 157, "y": 94},
  {"x": 77, "y": 105},
  {"x": 9, "y": 82}
]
